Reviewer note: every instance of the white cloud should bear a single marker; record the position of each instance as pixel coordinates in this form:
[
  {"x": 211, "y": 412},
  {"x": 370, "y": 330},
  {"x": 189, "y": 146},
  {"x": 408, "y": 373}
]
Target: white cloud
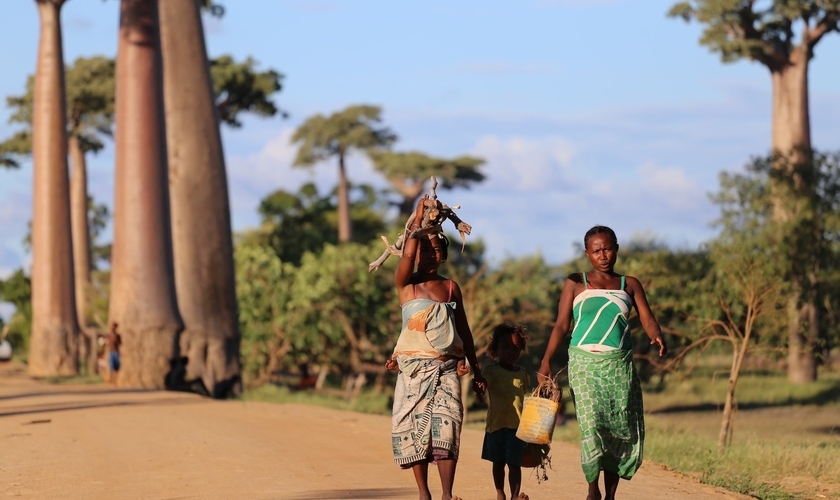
[
  {"x": 524, "y": 164},
  {"x": 670, "y": 186}
]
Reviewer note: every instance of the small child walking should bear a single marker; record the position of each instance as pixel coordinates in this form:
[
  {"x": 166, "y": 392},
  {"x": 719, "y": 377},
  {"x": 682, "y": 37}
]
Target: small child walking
[{"x": 507, "y": 385}]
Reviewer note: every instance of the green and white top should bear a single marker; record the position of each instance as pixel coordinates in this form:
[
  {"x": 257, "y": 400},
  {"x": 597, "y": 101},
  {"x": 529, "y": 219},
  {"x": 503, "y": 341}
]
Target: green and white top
[{"x": 601, "y": 319}]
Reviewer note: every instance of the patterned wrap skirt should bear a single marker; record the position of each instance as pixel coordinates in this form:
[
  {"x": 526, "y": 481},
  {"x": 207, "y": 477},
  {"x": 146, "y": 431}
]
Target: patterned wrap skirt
[
  {"x": 608, "y": 404},
  {"x": 427, "y": 415}
]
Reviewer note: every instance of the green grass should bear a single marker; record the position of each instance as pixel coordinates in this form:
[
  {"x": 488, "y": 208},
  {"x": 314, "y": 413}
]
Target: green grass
[
  {"x": 756, "y": 468},
  {"x": 75, "y": 379},
  {"x": 752, "y": 390},
  {"x": 786, "y": 438}
]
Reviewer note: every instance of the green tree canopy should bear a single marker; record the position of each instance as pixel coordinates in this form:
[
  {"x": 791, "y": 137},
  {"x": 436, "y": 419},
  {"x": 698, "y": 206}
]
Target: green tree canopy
[
  {"x": 297, "y": 223},
  {"x": 408, "y": 172},
  {"x": 760, "y": 31},
  {"x": 90, "y": 108},
  {"x": 321, "y": 138},
  {"x": 17, "y": 290},
  {"x": 239, "y": 87}
]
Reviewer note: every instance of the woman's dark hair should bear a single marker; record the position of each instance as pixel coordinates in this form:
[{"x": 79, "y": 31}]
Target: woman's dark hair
[
  {"x": 599, "y": 230},
  {"x": 506, "y": 328}
]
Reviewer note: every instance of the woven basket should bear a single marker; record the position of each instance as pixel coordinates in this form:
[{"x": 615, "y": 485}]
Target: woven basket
[{"x": 538, "y": 418}]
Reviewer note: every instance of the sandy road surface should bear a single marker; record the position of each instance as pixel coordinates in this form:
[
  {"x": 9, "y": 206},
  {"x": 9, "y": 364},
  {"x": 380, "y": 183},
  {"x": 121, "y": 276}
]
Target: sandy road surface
[{"x": 95, "y": 442}]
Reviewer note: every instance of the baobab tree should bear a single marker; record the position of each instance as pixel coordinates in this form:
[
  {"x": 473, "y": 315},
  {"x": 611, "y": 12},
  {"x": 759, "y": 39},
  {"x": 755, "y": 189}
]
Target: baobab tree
[
  {"x": 408, "y": 173},
  {"x": 90, "y": 114},
  {"x": 781, "y": 35},
  {"x": 201, "y": 229},
  {"x": 143, "y": 299},
  {"x": 53, "y": 346},
  {"x": 337, "y": 135}
]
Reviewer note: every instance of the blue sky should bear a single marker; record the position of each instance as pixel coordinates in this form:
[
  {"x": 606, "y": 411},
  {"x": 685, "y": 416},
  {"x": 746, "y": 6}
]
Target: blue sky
[{"x": 587, "y": 112}]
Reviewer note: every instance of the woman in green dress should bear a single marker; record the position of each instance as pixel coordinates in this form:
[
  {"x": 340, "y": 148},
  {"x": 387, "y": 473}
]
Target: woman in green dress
[{"x": 608, "y": 398}]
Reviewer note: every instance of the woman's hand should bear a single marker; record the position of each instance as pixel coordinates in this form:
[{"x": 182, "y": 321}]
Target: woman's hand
[
  {"x": 392, "y": 365},
  {"x": 479, "y": 385},
  {"x": 420, "y": 211},
  {"x": 544, "y": 372},
  {"x": 463, "y": 367},
  {"x": 663, "y": 349}
]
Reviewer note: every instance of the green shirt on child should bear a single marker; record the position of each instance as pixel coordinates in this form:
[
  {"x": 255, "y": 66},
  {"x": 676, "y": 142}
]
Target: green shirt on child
[{"x": 506, "y": 390}]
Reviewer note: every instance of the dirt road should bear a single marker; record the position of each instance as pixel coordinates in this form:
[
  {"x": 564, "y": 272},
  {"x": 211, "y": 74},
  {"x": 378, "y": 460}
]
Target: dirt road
[{"x": 95, "y": 442}]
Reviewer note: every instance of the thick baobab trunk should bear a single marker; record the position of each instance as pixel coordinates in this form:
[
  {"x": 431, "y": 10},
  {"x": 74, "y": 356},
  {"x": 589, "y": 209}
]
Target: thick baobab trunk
[
  {"x": 803, "y": 332},
  {"x": 201, "y": 229},
  {"x": 345, "y": 227},
  {"x": 53, "y": 347},
  {"x": 81, "y": 249},
  {"x": 791, "y": 119},
  {"x": 142, "y": 285},
  {"x": 792, "y": 138}
]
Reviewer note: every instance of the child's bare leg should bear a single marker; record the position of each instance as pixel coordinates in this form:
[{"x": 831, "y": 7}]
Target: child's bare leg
[
  {"x": 499, "y": 480},
  {"x": 421, "y": 475},
  {"x": 515, "y": 480},
  {"x": 446, "y": 468},
  {"x": 610, "y": 484},
  {"x": 594, "y": 490}
]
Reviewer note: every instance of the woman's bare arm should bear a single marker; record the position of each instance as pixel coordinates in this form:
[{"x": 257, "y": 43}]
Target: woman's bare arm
[
  {"x": 646, "y": 317},
  {"x": 402, "y": 277},
  {"x": 561, "y": 326}
]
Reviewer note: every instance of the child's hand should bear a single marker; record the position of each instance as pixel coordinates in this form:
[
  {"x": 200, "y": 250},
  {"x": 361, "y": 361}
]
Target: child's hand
[
  {"x": 463, "y": 368},
  {"x": 479, "y": 385},
  {"x": 392, "y": 365}
]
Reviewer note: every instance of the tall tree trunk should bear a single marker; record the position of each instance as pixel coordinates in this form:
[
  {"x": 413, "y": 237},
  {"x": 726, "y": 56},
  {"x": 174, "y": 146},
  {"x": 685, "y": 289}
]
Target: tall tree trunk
[
  {"x": 201, "y": 230},
  {"x": 726, "y": 419},
  {"x": 53, "y": 347},
  {"x": 792, "y": 138},
  {"x": 345, "y": 227},
  {"x": 81, "y": 249},
  {"x": 142, "y": 284}
]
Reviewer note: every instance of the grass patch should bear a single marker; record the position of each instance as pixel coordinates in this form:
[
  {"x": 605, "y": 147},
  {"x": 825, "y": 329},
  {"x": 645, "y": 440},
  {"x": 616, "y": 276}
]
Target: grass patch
[
  {"x": 757, "y": 467},
  {"x": 74, "y": 379},
  {"x": 753, "y": 391}
]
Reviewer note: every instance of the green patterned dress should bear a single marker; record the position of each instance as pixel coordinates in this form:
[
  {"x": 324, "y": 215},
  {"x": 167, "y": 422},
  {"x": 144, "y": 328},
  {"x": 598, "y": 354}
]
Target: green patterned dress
[{"x": 607, "y": 393}]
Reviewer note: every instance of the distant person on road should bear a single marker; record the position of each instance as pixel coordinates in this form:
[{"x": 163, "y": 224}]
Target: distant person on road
[
  {"x": 507, "y": 385},
  {"x": 602, "y": 376},
  {"x": 114, "y": 342},
  {"x": 435, "y": 338}
]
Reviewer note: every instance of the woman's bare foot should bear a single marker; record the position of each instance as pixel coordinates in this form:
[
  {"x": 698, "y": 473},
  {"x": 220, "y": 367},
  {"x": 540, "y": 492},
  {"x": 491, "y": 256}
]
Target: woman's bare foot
[{"x": 522, "y": 496}]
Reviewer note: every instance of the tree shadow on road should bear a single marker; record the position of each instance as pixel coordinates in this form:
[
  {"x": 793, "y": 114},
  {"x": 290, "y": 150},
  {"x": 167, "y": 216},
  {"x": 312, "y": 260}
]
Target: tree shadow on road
[{"x": 360, "y": 493}]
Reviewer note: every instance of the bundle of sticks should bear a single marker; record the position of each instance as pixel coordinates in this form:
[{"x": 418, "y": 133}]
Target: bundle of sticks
[{"x": 434, "y": 214}]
